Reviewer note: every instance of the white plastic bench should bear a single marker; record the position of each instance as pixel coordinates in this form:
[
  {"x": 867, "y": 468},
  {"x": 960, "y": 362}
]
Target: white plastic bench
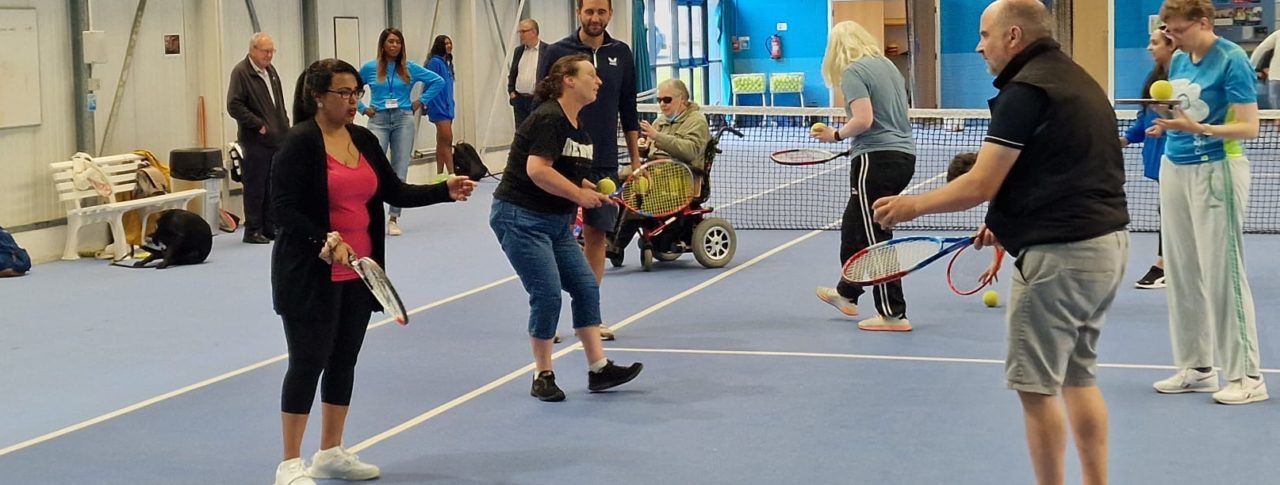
[{"x": 121, "y": 169}]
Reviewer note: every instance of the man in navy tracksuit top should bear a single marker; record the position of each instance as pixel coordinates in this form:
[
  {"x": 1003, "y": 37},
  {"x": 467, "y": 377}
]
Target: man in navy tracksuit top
[{"x": 616, "y": 100}]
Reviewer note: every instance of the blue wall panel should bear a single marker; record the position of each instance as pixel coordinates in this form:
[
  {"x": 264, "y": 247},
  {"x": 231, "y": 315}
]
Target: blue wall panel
[{"x": 803, "y": 44}]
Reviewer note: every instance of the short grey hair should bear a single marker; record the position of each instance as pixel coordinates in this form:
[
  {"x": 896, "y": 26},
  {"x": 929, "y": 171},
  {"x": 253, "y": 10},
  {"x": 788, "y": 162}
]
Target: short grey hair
[
  {"x": 533, "y": 24},
  {"x": 678, "y": 85},
  {"x": 256, "y": 38}
]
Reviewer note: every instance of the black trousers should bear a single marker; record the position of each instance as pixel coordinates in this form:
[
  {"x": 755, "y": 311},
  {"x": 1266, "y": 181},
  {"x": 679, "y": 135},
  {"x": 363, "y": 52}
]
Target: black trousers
[
  {"x": 327, "y": 346},
  {"x": 872, "y": 176},
  {"x": 256, "y": 177},
  {"x": 523, "y": 105}
]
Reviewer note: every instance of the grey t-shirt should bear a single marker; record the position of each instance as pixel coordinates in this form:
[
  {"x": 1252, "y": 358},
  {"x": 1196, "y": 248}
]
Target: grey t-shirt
[{"x": 877, "y": 78}]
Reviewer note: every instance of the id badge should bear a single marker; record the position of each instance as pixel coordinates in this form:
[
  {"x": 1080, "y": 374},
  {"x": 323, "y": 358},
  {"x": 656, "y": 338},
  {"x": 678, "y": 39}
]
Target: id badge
[{"x": 392, "y": 103}]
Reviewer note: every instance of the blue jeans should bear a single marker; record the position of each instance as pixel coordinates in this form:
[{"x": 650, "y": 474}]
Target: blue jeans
[
  {"x": 1273, "y": 94},
  {"x": 548, "y": 259},
  {"x": 394, "y": 129}
]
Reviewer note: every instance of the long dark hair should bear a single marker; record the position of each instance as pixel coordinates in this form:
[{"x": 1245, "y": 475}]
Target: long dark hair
[
  {"x": 314, "y": 82},
  {"x": 437, "y": 49},
  {"x": 552, "y": 86},
  {"x": 401, "y": 70},
  {"x": 1159, "y": 73}
]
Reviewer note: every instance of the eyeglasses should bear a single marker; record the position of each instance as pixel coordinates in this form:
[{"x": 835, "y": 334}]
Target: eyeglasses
[
  {"x": 344, "y": 94},
  {"x": 666, "y": 100},
  {"x": 1170, "y": 31},
  {"x": 524, "y": 30}
]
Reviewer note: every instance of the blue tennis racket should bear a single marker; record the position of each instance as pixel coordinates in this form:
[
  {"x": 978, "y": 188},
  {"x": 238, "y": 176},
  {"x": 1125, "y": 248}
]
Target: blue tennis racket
[{"x": 891, "y": 260}]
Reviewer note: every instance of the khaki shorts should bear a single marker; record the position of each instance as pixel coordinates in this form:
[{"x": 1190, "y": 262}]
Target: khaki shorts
[{"x": 1058, "y": 302}]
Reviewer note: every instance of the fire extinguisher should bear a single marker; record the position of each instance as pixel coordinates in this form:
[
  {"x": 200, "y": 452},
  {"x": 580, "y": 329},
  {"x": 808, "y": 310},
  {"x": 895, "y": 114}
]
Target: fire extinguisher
[{"x": 775, "y": 47}]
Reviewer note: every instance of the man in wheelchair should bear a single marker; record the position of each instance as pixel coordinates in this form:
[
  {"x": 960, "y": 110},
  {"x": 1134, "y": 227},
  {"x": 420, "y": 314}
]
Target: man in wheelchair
[{"x": 680, "y": 134}]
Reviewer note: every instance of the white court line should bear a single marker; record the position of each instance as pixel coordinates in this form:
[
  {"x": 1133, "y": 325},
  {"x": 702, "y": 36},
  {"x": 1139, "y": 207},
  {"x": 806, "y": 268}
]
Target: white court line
[
  {"x": 463, "y": 399},
  {"x": 908, "y": 358},
  {"x": 214, "y": 380}
]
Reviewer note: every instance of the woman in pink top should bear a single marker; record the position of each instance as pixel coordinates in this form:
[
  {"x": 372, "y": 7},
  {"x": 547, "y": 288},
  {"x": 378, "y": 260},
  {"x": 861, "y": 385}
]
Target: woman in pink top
[{"x": 329, "y": 182}]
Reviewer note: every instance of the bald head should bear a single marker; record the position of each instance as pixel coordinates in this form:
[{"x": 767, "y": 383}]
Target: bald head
[
  {"x": 1008, "y": 27},
  {"x": 1029, "y": 16}
]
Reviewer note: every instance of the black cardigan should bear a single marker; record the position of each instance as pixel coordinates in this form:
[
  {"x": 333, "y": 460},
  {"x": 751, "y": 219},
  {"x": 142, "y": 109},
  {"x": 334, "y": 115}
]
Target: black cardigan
[{"x": 300, "y": 198}]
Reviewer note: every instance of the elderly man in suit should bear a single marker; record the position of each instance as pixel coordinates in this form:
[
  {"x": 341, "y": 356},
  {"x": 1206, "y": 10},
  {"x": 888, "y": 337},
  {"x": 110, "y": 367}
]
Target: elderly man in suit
[
  {"x": 256, "y": 101},
  {"x": 524, "y": 70}
]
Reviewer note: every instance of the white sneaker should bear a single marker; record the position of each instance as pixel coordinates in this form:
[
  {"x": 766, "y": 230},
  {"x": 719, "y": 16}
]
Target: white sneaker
[
  {"x": 393, "y": 228},
  {"x": 880, "y": 323},
  {"x": 833, "y": 298},
  {"x": 293, "y": 472},
  {"x": 339, "y": 463},
  {"x": 1242, "y": 391},
  {"x": 1188, "y": 380}
]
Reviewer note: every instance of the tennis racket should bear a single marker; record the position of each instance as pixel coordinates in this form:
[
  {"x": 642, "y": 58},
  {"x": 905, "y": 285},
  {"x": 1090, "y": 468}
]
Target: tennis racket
[
  {"x": 806, "y": 156},
  {"x": 891, "y": 260},
  {"x": 657, "y": 189},
  {"x": 972, "y": 269},
  {"x": 376, "y": 279}
]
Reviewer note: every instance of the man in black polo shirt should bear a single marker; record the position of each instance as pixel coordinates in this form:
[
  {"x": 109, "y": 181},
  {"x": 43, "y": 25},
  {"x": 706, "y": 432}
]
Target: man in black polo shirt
[
  {"x": 616, "y": 102},
  {"x": 1052, "y": 168}
]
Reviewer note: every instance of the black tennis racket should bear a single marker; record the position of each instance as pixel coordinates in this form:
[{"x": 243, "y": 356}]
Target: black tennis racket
[{"x": 806, "y": 156}]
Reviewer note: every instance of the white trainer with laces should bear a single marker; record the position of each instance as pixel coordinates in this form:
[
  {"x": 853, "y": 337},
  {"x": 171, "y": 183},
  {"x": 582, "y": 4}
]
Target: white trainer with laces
[
  {"x": 339, "y": 463},
  {"x": 833, "y": 298},
  {"x": 293, "y": 472},
  {"x": 1188, "y": 380},
  {"x": 1243, "y": 391}
]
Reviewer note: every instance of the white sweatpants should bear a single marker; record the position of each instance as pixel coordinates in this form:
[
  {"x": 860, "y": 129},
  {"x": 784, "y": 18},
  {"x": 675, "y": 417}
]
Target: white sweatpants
[{"x": 1202, "y": 210}]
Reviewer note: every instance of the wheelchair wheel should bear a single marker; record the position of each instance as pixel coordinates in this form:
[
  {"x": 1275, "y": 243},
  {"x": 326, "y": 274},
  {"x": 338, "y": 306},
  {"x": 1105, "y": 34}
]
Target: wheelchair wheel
[
  {"x": 646, "y": 259},
  {"x": 714, "y": 242},
  {"x": 662, "y": 256}
]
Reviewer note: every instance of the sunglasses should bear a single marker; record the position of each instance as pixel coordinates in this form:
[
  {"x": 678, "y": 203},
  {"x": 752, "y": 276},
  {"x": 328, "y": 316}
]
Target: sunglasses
[{"x": 666, "y": 100}]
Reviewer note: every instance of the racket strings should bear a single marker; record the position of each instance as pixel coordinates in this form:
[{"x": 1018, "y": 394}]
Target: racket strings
[
  {"x": 800, "y": 156},
  {"x": 659, "y": 189},
  {"x": 885, "y": 261}
]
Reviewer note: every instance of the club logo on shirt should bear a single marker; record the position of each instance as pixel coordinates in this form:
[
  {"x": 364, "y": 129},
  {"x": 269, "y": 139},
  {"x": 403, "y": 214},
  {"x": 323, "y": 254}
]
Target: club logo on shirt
[
  {"x": 575, "y": 149},
  {"x": 613, "y": 61},
  {"x": 1189, "y": 94}
]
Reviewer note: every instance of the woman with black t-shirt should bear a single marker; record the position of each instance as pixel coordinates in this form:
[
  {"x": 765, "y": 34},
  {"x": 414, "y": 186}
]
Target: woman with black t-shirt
[{"x": 532, "y": 216}]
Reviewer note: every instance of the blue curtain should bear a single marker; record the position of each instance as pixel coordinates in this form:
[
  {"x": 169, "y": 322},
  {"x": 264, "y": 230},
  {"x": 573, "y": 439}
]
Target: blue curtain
[
  {"x": 724, "y": 18},
  {"x": 640, "y": 46}
]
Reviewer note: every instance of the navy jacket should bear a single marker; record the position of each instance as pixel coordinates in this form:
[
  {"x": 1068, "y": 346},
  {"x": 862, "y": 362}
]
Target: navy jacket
[
  {"x": 515, "y": 66},
  {"x": 617, "y": 98}
]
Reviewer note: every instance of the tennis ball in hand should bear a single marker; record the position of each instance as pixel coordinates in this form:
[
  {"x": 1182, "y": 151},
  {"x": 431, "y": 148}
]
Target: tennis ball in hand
[
  {"x": 817, "y": 127},
  {"x": 606, "y": 186},
  {"x": 1162, "y": 90},
  {"x": 991, "y": 298}
]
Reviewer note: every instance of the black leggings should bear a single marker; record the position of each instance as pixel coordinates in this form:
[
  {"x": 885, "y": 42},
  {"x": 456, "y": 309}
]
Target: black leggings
[
  {"x": 327, "y": 345},
  {"x": 873, "y": 175}
]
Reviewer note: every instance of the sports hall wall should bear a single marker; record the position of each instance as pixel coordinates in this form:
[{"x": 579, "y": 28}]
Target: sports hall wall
[{"x": 159, "y": 103}]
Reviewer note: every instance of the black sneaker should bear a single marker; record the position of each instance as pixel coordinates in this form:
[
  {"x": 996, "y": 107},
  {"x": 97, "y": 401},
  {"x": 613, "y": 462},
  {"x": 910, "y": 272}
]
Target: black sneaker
[
  {"x": 544, "y": 387},
  {"x": 1154, "y": 279},
  {"x": 612, "y": 376}
]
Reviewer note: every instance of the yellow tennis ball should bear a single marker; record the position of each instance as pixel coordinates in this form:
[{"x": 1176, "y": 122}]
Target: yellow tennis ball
[
  {"x": 606, "y": 186},
  {"x": 991, "y": 298},
  {"x": 1162, "y": 90},
  {"x": 817, "y": 127},
  {"x": 642, "y": 185}
]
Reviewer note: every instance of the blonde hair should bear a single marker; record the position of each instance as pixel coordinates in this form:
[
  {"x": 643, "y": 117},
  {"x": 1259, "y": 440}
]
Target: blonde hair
[
  {"x": 847, "y": 43},
  {"x": 1190, "y": 10}
]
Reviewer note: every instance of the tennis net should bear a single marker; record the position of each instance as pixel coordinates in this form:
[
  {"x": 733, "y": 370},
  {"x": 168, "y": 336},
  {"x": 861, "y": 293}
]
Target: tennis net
[{"x": 752, "y": 192}]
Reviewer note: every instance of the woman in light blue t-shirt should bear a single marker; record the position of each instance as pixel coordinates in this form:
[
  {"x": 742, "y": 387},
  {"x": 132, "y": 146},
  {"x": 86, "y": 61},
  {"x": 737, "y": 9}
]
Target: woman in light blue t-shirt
[
  {"x": 390, "y": 77},
  {"x": 1204, "y": 187}
]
